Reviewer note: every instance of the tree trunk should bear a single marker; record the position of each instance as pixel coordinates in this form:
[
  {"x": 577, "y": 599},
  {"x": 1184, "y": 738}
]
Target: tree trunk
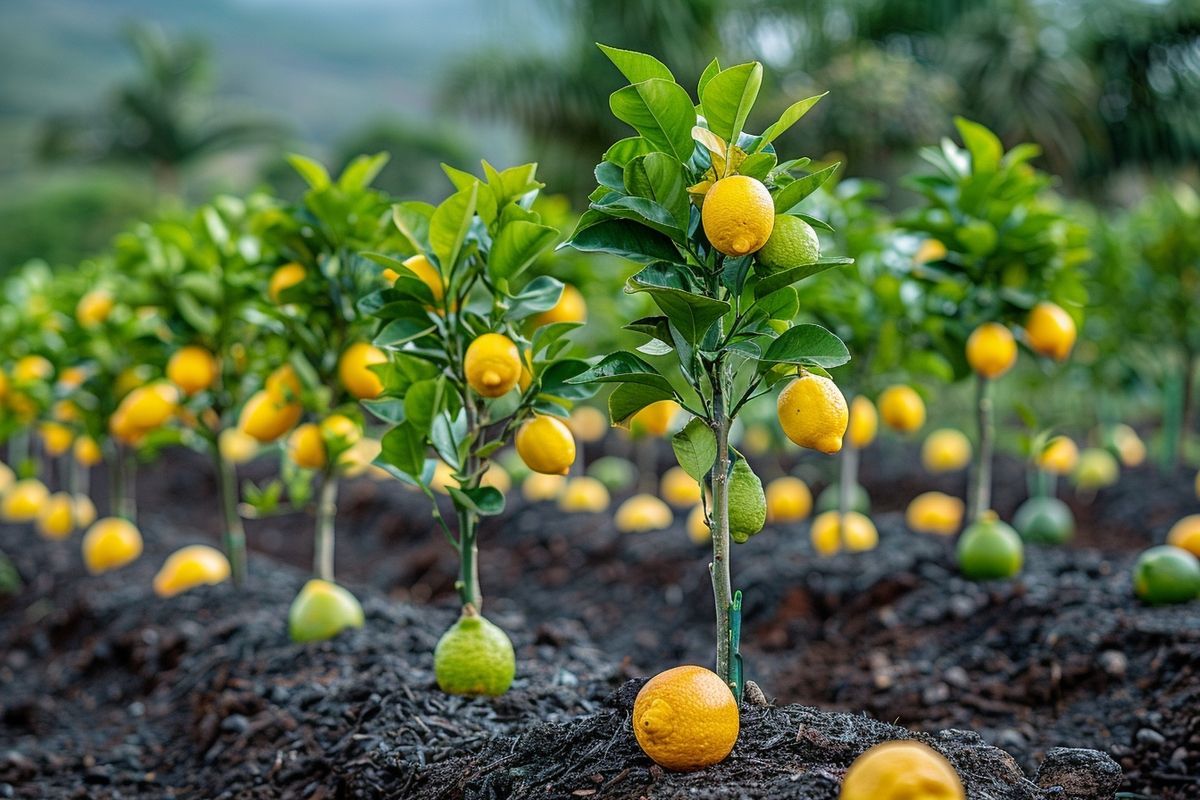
[{"x": 980, "y": 499}]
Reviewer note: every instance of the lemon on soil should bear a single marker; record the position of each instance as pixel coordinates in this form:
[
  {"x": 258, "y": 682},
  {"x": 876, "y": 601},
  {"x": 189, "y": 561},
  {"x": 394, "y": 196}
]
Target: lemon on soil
[
  {"x": 989, "y": 550},
  {"x": 813, "y": 413},
  {"x": 321, "y": 611},
  {"x": 678, "y": 488},
  {"x": 189, "y": 567},
  {"x": 792, "y": 243},
  {"x": 935, "y": 512},
  {"x": 1166, "y": 574},
  {"x": 901, "y": 770},
  {"x": 738, "y": 215},
  {"x": 474, "y": 657},
  {"x": 828, "y": 537},
  {"x": 946, "y": 450},
  {"x": 584, "y": 494},
  {"x": 686, "y": 718},
  {"x": 1044, "y": 520},
  {"x": 641, "y": 513}
]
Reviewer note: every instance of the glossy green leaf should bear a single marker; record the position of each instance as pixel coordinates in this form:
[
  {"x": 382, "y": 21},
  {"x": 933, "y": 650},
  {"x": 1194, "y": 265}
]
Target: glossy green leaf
[
  {"x": 692, "y": 314},
  {"x": 404, "y": 448},
  {"x": 449, "y": 225},
  {"x": 486, "y": 501},
  {"x": 621, "y": 237},
  {"x": 789, "y": 196},
  {"x": 623, "y": 367},
  {"x": 728, "y": 97},
  {"x": 789, "y": 118},
  {"x": 787, "y": 277},
  {"x": 313, "y": 173},
  {"x": 360, "y": 172},
  {"x": 695, "y": 448},
  {"x": 630, "y": 398},
  {"x": 661, "y": 112},
  {"x": 983, "y": 145},
  {"x": 517, "y": 245},
  {"x": 540, "y": 294},
  {"x": 806, "y": 344},
  {"x": 636, "y": 67}
]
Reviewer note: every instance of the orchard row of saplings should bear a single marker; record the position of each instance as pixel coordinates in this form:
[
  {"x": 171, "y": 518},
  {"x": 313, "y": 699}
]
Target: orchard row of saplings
[{"x": 357, "y": 334}]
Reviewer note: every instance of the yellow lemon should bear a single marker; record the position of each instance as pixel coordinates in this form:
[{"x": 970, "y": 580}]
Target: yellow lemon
[
  {"x": 354, "y": 370},
  {"x": 539, "y": 487},
  {"x": 85, "y": 511},
  {"x": 3, "y": 384},
  {"x": 189, "y": 567},
  {"x": 69, "y": 378},
  {"x": 935, "y": 512},
  {"x": 697, "y": 526},
  {"x": 266, "y": 418},
  {"x": 283, "y": 384},
  {"x": 1060, "y": 456},
  {"x": 93, "y": 308},
  {"x": 571, "y": 307},
  {"x": 1130, "y": 447},
  {"x": 545, "y": 445},
  {"x": 828, "y": 538},
  {"x": 686, "y": 718},
  {"x": 1096, "y": 469},
  {"x": 1050, "y": 331},
  {"x": 588, "y": 423},
  {"x": 237, "y": 447},
  {"x": 901, "y": 770},
  {"x": 193, "y": 369},
  {"x": 340, "y": 431},
  {"x": 496, "y": 477},
  {"x": 1186, "y": 534},
  {"x": 56, "y": 438},
  {"x": 643, "y": 512},
  {"x": 321, "y": 611},
  {"x": 738, "y": 215},
  {"x": 32, "y": 369},
  {"x": 929, "y": 251},
  {"x": 864, "y": 422},
  {"x": 991, "y": 350},
  {"x": 427, "y": 273},
  {"x": 678, "y": 488},
  {"x": 24, "y": 500},
  {"x": 492, "y": 365},
  {"x": 788, "y": 500},
  {"x": 946, "y": 450},
  {"x": 110, "y": 544},
  {"x": 57, "y": 517},
  {"x": 306, "y": 447},
  {"x": 901, "y": 408},
  {"x": 584, "y": 494},
  {"x": 284, "y": 278},
  {"x": 148, "y": 407},
  {"x": 654, "y": 419},
  {"x": 66, "y": 411},
  {"x": 813, "y": 414}
]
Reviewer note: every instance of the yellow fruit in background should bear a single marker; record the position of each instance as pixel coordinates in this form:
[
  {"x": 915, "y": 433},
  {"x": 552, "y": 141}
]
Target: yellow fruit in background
[
  {"x": 738, "y": 215},
  {"x": 283, "y": 384},
  {"x": 788, "y": 500},
  {"x": 193, "y": 369},
  {"x": 266, "y": 418},
  {"x": 24, "y": 500},
  {"x": 443, "y": 478},
  {"x": 864, "y": 422},
  {"x": 643, "y": 512},
  {"x": 57, "y": 517},
  {"x": 66, "y": 411},
  {"x": 827, "y": 538},
  {"x": 492, "y": 365},
  {"x": 588, "y": 423},
  {"x": 110, "y": 544},
  {"x": 1050, "y": 331},
  {"x": 655, "y": 419},
  {"x": 237, "y": 447},
  {"x": 70, "y": 378},
  {"x": 697, "y": 526},
  {"x": 359, "y": 458},
  {"x": 1130, "y": 447},
  {"x": 813, "y": 414},
  {"x": 1060, "y": 456},
  {"x": 7, "y": 478},
  {"x": 321, "y": 611},
  {"x": 545, "y": 445},
  {"x": 539, "y": 487},
  {"x": 571, "y": 307},
  {"x": 678, "y": 488},
  {"x": 584, "y": 494},
  {"x": 1096, "y": 469},
  {"x": 189, "y": 567},
  {"x": 85, "y": 511},
  {"x": 428, "y": 274},
  {"x": 354, "y": 370},
  {"x": 306, "y": 447},
  {"x": 929, "y": 251},
  {"x": 901, "y": 408},
  {"x": 284, "y": 278},
  {"x": 56, "y": 438},
  {"x": 991, "y": 350},
  {"x": 686, "y": 718},
  {"x": 901, "y": 770},
  {"x": 935, "y": 512},
  {"x": 756, "y": 440},
  {"x": 3, "y": 384},
  {"x": 497, "y": 478},
  {"x": 1186, "y": 534},
  {"x": 129, "y": 379},
  {"x": 32, "y": 369},
  {"x": 148, "y": 407},
  {"x": 946, "y": 450},
  {"x": 340, "y": 431},
  {"x": 93, "y": 308}
]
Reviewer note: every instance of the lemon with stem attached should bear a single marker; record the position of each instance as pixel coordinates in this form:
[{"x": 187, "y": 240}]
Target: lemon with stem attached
[
  {"x": 991, "y": 350},
  {"x": 686, "y": 718},
  {"x": 747, "y": 502},
  {"x": 266, "y": 417},
  {"x": 474, "y": 657},
  {"x": 492, "y": 365},
  {"x": 654, "y": 419},
  {"x": 812, "y": 413},
  {"x": 426, "y": 272},
  {"x": 321, "y": 611},
  {"x": 738, "y": 215}
]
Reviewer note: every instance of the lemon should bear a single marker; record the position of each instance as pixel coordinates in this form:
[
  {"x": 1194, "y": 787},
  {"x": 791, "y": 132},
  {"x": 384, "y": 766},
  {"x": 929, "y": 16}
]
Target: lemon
[
  {"x": 1130, "y": 447},
  {"x": 66, "y": 411},
  {"x": 85, "y": 511},
  {"x": 94, "y": 308},
  {"x": 864, "y": 422},
  {"x": 901, "y": 770},
  {"x": 935, "y": 512},
  {"x": 1166, "y": 574},
  {"x": 492, "y": 365},
  {"x": 189, "y": 567},
  {"x": 571, "y": 307},
  {"x": 193, "y": 369},
  {"x": 321, "y": 611},
  {"x": 654, "y": 420},
  {"x": 24, "y": 500},
  {"x": 678, "y": 488},
  {"x": 930, "y": 250},
  {"x": 901, "y": 408},
  {"x": 57, "y": 517},
  {"x": 697, "y": 526},
  {"x": 828, "y": 538},
  {"x": 747, "y": 502},
  {"x": 427, "y": 273},
  {"x": 70, "y": 378},
  {"x": 284, "y": 278},
  {"x": 738, "y": 215},
  {"x": 991, "y": 350},
  {"x": 584, "y": 494},
  {"x": 1050, "y": 331},
  {"x": 144, "y": 409},
  {"x": 56, "y": 438},
  {"x": 538, "y": 487},
  {"x": 339, "y": 431},
  {"x": 1044, "y": 520},
  {"x": 643, "y": 512},
  {"x": 545, "y": 445},
  {"x": 686, "y": 718},
  {"x": 355, "y": 373},
  {"x": 946, "y": 450},
  {"x": 474, "y": 657},
  {"x": 265, "y": 417},
  {"x": 1060, "y": 456},
  {"x": 3, "y": 384},
  {"x": 236, "y": 446},
  {"x": 813, "y": 413},
  {"x": 788, "y": 500},
  {"x": 32, "y": 369},
  {"x": 1186, "y": 534},
  {"x": 496, "y": 477},
  {"x": 989, "y": 550},
  {"x": 588, "y": 423},
  {"x": 306, "y": 447},
  {"x": 283, "y": 384},
  {"x": 793, "y": 243},
  {"x": 1097, "y": 469},
  {"x": 110, "y": 544}
]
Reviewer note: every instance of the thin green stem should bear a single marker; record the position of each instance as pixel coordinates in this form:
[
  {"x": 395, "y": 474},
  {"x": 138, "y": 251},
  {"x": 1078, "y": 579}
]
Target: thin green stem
[
  {"x": 234, "y": 533},
  {"x": 847, "y": 480},
  {"x": 980, "y": 500},
  {"x": 324, "y": 534},
  {"x": 720, "y": 569}
]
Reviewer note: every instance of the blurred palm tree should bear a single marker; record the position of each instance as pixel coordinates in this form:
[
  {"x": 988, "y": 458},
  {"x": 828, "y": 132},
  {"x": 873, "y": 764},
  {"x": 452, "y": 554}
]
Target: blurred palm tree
[{"x": 157, "y": 118}]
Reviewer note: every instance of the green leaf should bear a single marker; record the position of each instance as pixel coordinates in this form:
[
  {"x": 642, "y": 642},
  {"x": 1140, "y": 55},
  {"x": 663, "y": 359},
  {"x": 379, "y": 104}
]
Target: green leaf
[
  {"x": 728, "y": 97},
  {"x": 695, "y": 448},
  {"x": 623, "y": 367},
  {"x": 358, "y": 175},
  {"x": 667, "y": 186},
  {"x": 636, "y": 67},
  {"x": 540, "y": 294},
  {"x": 661, "y": 112},
  {"x": 486, "y": 501},
  {"x": 517, "y": 246},
  {"x": 630, "y": 398},
  {"x": 313, "y": 173},
  {"x": 421, "y": 404},
  {"x": 787, "y": 277},
  {"x": 710, "y": 72},
  {"x": 789, "y": 196},
  {"x": 692, "y": 314},
  {"x": 412, "y": 220},
  {"x": 644, "y": 211},
  {"x": 806, "y": 344},
  {"x": 625, "y": 150},
  {"x": 556, "y": 380},
  {"x": 758, "y": 165},
  {"x": 404, "y": 448},
  {"x": 782, "y": 304},
  {"x": 624, "y": 238},
  {"x": 789, "y": 118},
  {"x": 401, "y": 331},
  {"x": 983, "y": 145},
  {"x": 449, "y": 225}
]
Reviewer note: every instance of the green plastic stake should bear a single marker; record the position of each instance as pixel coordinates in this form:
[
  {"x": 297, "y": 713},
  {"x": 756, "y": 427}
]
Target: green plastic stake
[{"x": 735, "y": 640}]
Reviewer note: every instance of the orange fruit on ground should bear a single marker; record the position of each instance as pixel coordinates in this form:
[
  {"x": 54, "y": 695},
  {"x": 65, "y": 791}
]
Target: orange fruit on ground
[
  {"x": 991, "y": 350},
  {"x": 193, "y": 369},
  {"x": 901, "y": 770},
  {"x": 571, "y": 307},
  {"x": 686, "y": 718},
  {"x": 788, "y": 500},
  {"x": 284, "y": 278},
  {"x": 827, "y": 538},
  {"x": 901, "y": 408},
  {"x": 643, "y": 512},
  {"x": 1050, "y": 331},
  {"x": 1186, "y": 534},
  {"x": 189, "y": 567},
  {"x": 355, "y": 373}
]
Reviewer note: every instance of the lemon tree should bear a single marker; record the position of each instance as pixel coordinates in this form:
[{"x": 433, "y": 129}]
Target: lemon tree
[
  {"x": 1007, "y": 250},
  {"x": 693, "y": 198},
  {"x": 468, "y": 369}
]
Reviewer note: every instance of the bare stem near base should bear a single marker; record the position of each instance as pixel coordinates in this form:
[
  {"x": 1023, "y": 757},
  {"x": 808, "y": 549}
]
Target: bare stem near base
[
  {"x": 234, "y": 533},
  {"x": 980, "y": 499},
  {"x": 326, "y": 512},
  {"x": 722, "y": 584}
]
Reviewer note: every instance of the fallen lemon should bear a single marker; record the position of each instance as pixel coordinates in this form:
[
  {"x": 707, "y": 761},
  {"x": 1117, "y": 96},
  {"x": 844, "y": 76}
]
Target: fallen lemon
[
  {"x": 989, "y": 550},
  {"x": 546, "y": 445},
  {"x": 991, "y": 350},
  {"x": 901, "y": 770},
  {"x": 1186, "y": 534},
  {"x": 1044, "y": 520},
  {"x": 812, "y": 413},
  {"x": 738, "y": 215},
  {"x": 935, "y": 512},
  {"x": 643, "y": 512},
  {"x": 827, "y": 537},
  {"x": 110, "y": 544},
  {"x": 788, "y": 500},
  {"x": 1060, "y": 456},
  {"x": 321, "y": 611},
  {"x": 189, "y": 567},
  {"x": 946, "y": 450},
  {"x": 57, "y": 518},
  {"x": 584, "y": 494},
  {"x": 901, "y": 408},
  {"x": 678, "y": 488},
  {"x": 686, "y": 718},
  {"x": 474, "y": 657},
  {"x": 1166, "y": 574}
]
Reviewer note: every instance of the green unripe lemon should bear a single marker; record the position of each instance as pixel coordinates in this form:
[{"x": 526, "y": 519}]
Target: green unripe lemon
[
  {"x": 1044, "y": 520},
  {"x": 747, "y": 503},
  {"x": 474, "y": 657},
  {"x": 829, "y": 498},
  {"x": 614, "y": 472},
  {"x": 321, "y": 611},
  {"x": 990, "y": 549},
  {"x": 793, "y": 243},
  {"x": 1166, "y": 574}
]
